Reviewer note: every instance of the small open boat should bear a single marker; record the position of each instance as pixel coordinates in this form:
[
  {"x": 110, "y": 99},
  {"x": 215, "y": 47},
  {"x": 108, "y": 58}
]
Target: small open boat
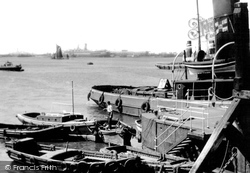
[
  {"x": 206, "y": 66},
  {"x": 8, "y": 66},
  {"x": 90, "y": 63},
  {"x": 74, "y": 122},
  {"x": 44, "y": 133},
  {"x": 116, "y": 127},
  {"x": 28, "y": 152},
  {"x": 40, "y": 133},
  {"x": 151, "y": 158}
]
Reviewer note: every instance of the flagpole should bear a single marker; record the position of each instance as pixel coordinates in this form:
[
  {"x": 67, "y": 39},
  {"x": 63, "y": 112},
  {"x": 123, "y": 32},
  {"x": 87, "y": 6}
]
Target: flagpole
[{"x": 198, "y": 20}]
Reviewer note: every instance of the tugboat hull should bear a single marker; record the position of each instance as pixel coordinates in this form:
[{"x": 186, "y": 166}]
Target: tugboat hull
[{"x": 136, "y": 100}]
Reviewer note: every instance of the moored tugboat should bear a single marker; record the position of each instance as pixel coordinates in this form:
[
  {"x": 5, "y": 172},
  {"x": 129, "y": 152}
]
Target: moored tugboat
[{"x": 214, "y": 137}]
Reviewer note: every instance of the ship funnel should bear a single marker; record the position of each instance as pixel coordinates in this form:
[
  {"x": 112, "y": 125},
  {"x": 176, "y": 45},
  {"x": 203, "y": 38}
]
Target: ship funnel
[{"x": 224, "y": 26}]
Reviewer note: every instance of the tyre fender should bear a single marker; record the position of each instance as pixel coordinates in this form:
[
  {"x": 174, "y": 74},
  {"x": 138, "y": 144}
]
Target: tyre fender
[
  {"x": 145, "y": 107},
  {"x": 112, "y": 166},
  {"x": 101, "y": 99},
  {"x": 118, "y": 103},
  {"x": 72, "y": 128},
  {"x": 96, "y": 168}
]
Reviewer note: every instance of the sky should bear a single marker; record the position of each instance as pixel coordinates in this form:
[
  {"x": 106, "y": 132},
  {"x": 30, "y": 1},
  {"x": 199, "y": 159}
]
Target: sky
[{"x": 36, "y": 26}]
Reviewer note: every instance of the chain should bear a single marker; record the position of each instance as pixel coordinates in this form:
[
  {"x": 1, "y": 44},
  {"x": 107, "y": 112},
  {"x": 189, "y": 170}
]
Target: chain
[{"x": 234, "y": 154}]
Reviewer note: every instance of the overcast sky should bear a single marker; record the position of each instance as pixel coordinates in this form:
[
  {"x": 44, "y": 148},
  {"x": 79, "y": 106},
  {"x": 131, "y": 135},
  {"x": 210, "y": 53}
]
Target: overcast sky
[{"x": 36, "y": 26}]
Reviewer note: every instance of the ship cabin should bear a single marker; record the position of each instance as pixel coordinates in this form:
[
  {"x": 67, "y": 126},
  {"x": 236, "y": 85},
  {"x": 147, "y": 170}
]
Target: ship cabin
[{"x": 57, "y": 117}]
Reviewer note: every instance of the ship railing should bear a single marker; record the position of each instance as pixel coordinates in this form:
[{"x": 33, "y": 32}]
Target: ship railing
[
  {"x": 188, "y": 110},
  {"x": 215, "y": 57},
  {"x": 191, "y": 93},
  {"x": 156, "y": 146},
  {"x": 181, "y": 73}
]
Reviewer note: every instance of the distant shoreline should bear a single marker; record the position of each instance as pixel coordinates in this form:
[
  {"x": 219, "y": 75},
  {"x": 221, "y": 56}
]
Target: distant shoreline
[{"x": 49, "y": 56}]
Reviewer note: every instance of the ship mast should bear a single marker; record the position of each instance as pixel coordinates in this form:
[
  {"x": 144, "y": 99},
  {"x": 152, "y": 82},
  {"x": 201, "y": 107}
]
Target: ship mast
[{"x": 198, "y": 20}]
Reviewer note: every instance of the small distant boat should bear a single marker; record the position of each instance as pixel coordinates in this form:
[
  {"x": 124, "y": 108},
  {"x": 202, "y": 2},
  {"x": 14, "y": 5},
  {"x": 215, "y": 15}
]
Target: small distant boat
[
  {"x": 90, "y": 63},
  {"x": 8, "y": 66},
  {"x": 58, "y": 54},
  {"x": 28, "y": 152},
  {"x": 44, "y": 133},
  {"x": 74, "y": 122},
  {"x": 206, "y": 66}
]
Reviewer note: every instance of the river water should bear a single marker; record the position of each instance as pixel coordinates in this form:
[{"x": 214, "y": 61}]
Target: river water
[{"x": 46, "y": 81}]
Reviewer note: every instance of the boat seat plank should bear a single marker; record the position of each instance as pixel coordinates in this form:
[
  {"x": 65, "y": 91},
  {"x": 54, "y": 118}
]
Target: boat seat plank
[{"x": 49, "y": 155}]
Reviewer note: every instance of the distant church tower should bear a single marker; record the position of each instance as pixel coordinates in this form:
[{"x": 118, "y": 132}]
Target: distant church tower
[{"x": 85, "y": 47}]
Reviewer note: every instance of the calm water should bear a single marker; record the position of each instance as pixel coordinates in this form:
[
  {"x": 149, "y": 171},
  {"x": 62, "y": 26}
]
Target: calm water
[{"x": 46, "y": 81}]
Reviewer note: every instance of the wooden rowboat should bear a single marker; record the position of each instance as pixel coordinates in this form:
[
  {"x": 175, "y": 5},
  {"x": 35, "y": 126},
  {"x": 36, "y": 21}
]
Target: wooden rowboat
[
  {"x": 206, "y": 66},
  {"x": 75, "y": 123},
  {"x": 41, "y": 133},
  {"x": 28, "y": 152}
]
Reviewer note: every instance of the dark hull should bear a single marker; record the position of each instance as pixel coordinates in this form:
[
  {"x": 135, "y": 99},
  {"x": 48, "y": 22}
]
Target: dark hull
[
  {"x": 18, "y": 68},
  {"x": 176, "y": 134},
  {"x": 28, "y": 152},
  {"x": 137, "y": 100},
  {"x": 147, "y": 154},
  {"x": 132, "y": 98},
  {"x": 41, "y": 133},
  {"x": 151, "y": 158}
]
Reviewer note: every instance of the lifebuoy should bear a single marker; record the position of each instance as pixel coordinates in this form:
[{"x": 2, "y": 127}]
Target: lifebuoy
[
  {"x": 113, "y": 152},
  {"x": 210, "y": 91},
  {"x": 145, "y": 106},
  {"x": 130, "y": 166},
  {"x": 101, "y": 99},
  {"x": 72, "y": 128},
  {"x": 112, "y": 166}
]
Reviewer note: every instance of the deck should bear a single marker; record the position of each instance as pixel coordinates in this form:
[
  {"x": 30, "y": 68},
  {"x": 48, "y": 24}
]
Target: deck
[{"x": 170, "y": 125}]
